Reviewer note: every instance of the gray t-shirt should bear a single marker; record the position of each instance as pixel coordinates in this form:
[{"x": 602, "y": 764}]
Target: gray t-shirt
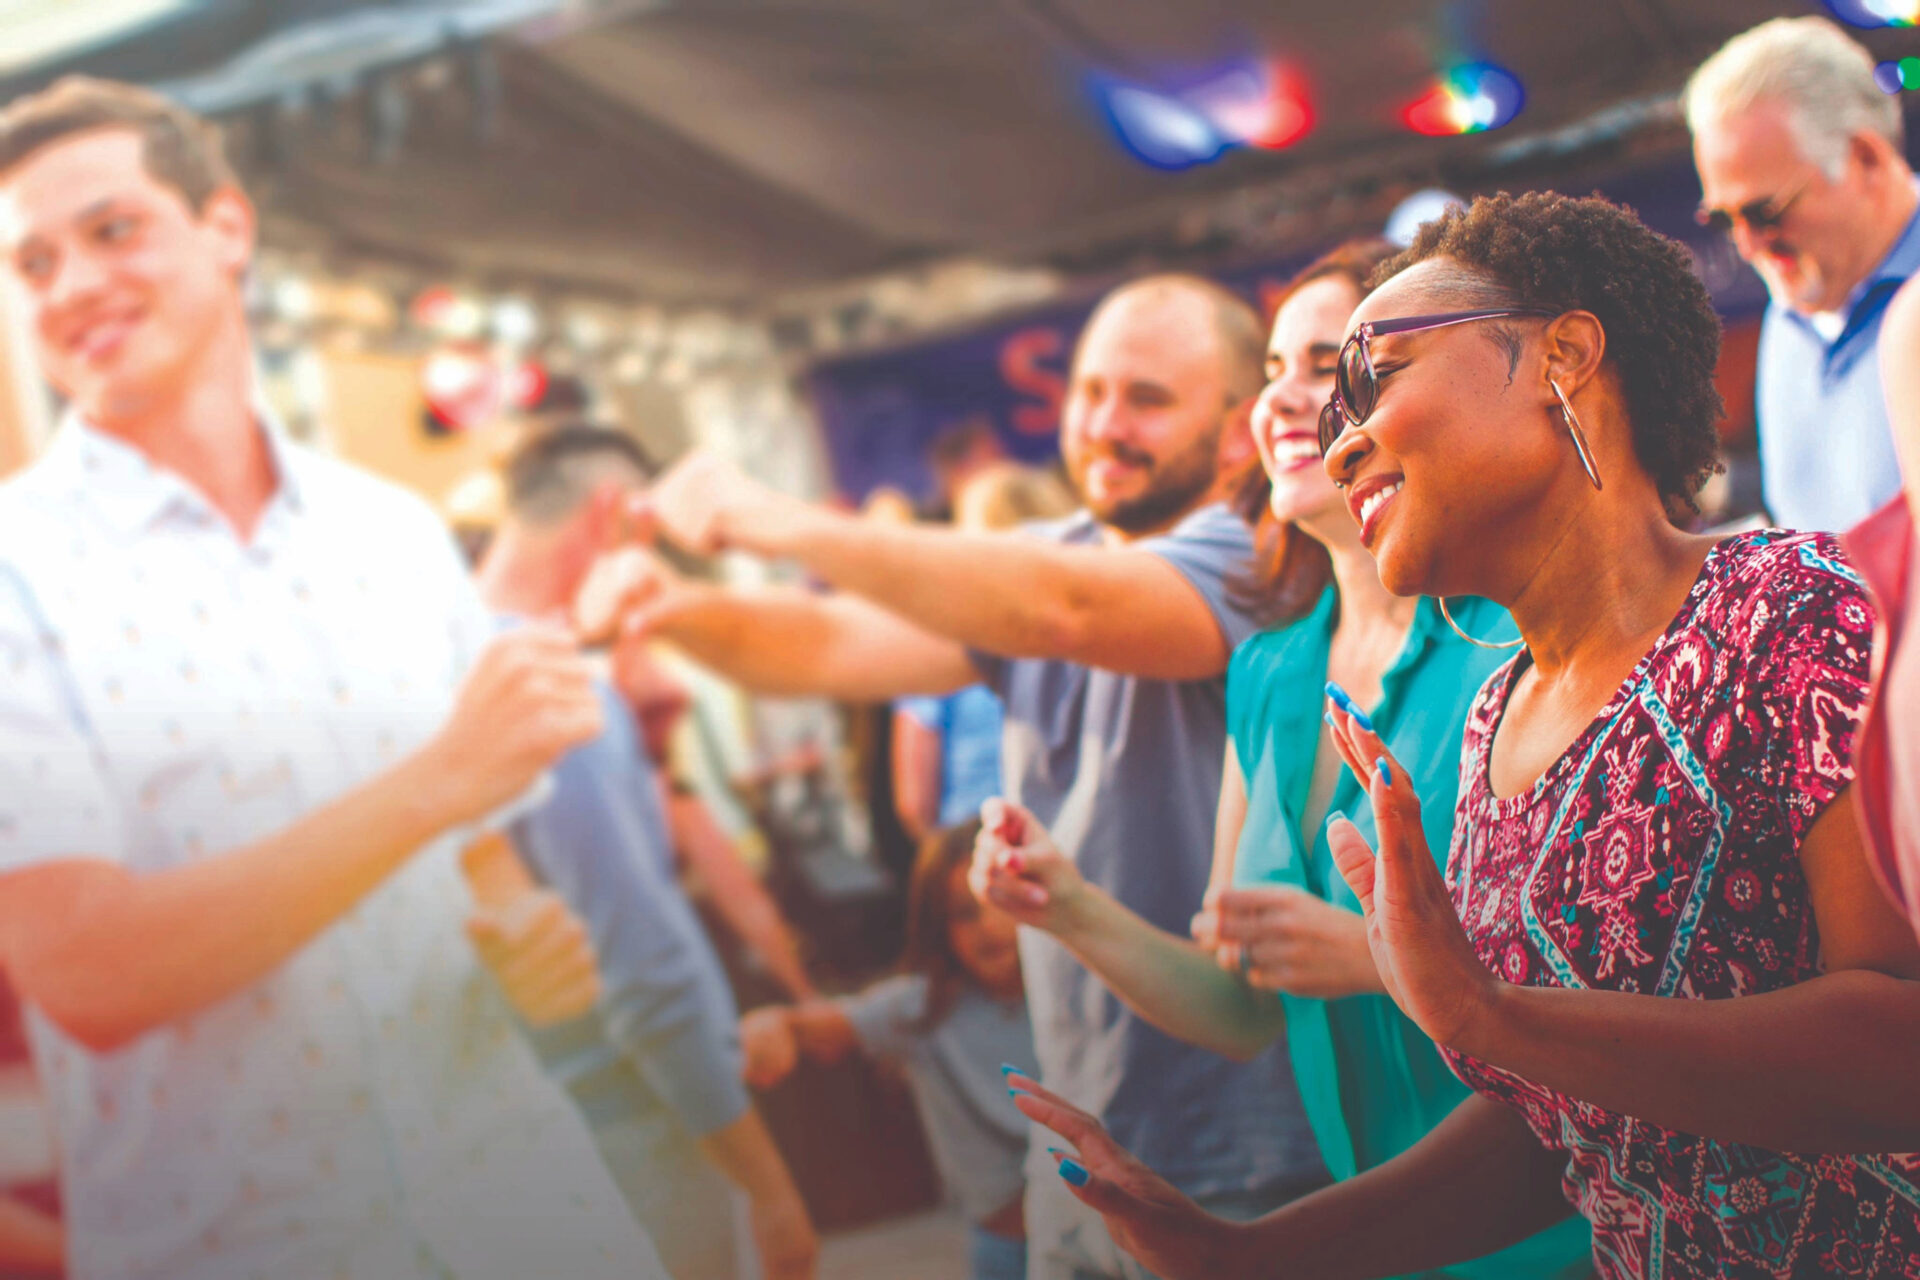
[
  {"x": 1125, "y": 773},
  {"x": 979, "y": 1140}
]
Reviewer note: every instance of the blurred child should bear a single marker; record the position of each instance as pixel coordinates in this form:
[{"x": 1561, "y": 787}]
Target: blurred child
[{"x": 951, "y": 1017}]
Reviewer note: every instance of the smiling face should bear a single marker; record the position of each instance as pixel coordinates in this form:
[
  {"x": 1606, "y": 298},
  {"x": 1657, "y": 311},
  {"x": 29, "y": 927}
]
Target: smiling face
[
  {"x": 1461, "y": 449},
  {"x": 1826, "y": 243},
  {"x": 1307, "y": 333},
  {"x": 1141, "y": 428},
  {"x": 127, "y": 290}
]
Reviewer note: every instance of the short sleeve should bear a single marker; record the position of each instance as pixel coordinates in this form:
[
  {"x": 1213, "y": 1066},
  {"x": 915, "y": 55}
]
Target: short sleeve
[
  {"x": 55, "y": 802},
  {"x": 993, "y": 669},
  {"x": 928, "y": 713},
  {"x": 1210, "y": 549},
  {"x": 886, "y": 1015},
  {"x": 1809, "y": 624}
]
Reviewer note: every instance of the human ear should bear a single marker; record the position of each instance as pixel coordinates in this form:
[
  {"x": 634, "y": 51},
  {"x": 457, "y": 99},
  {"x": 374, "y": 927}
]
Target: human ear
[
  {"x": 1575, "y": 345},
  {"x": 228, "y": 216},
  {"x": 1237, "y": 448}
]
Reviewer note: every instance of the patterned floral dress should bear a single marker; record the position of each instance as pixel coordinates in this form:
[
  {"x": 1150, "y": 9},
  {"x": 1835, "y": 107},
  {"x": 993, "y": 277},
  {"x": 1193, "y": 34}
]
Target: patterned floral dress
[{"x": 1659, "y": 855}]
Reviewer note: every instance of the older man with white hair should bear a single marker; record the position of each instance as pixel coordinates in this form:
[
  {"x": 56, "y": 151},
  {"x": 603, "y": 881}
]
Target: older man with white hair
[{"x": 1801, "y": 162}]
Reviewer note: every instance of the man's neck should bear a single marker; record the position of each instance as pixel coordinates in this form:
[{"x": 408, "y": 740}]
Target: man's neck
[
  {"x": 1113, "y": 536},
  {"x": 1891, "y": 215},
  {"x": 514, "y": 580},
  {"x": 208, "y": 435}
]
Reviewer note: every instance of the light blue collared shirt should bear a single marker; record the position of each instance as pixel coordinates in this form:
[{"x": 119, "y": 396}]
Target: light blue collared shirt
[{"x": 1826, "y": 451}]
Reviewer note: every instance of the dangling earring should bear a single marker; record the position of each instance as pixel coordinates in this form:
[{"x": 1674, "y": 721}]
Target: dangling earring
[
  {"x": 1484, "y": 644},
  {"x": 1579, "y": 436}
]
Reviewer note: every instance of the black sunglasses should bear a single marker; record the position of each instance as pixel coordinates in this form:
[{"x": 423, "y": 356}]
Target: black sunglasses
[
  {"x": 1759, "y": 216},
  {"x": 1356, "y": 387}
]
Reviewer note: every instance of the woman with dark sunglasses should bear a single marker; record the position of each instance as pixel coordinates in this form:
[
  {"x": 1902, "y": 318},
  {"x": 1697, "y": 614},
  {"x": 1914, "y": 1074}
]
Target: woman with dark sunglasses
[
  {"x": 1657, "y": 954},
  {"x": 1280, "y": 947}
]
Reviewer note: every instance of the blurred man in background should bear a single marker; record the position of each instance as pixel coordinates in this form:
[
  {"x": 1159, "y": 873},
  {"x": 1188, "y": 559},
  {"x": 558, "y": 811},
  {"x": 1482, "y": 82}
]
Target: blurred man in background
[
  {"x": 253, "y": 712},
  {"x": 1801, "y": 159},
  {"x": 1106, "y": 635},
  {"x": 658, "y": 1072}
]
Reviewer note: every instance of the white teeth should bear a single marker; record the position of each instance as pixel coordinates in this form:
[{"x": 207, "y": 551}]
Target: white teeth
[
  {"x": 1373, "y": 500},
  {"x": 1290, "y": 451}
]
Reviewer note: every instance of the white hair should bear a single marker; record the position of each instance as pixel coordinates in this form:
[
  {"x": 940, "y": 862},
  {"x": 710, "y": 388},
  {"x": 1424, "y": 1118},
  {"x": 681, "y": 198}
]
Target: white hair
[{"x": 1811, "y": 67}]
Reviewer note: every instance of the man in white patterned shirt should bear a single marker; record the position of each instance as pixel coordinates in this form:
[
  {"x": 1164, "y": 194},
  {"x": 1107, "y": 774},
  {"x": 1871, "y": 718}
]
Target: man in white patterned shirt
[{"x": 249, "y": 714}]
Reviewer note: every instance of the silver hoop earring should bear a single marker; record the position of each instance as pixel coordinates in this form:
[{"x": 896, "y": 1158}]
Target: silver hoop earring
[
  {"x": 1484, "y": 644},
  {"x": 1579, "y": 436}
]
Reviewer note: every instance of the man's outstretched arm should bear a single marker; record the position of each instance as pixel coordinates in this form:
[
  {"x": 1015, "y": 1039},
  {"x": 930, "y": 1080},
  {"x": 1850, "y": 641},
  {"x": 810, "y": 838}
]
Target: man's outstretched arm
[
  {"x": 1119, "y": 608},
  {"x": 780, "y": 641}
]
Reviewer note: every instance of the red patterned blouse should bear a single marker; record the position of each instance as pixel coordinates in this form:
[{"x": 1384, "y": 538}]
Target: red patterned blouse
[{"x": 1659, "y": 855}]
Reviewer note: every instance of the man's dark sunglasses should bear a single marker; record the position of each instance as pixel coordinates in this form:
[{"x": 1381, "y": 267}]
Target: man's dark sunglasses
[
  {"x": 1759, "y": 216},
  {"x": 1357, "y": 386}
]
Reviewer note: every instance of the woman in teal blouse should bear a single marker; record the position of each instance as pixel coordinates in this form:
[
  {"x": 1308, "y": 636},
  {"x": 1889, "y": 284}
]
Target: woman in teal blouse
[{"x": 1280, "y": 918}]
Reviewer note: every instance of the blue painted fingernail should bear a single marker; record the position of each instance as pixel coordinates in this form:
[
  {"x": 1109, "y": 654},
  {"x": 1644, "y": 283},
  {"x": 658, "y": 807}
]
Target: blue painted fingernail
[
  {"x": 1334, "y": 815},
  {"x": 1057, "y": 1151},
  {"x": 1386, "y": 774},
  {"x": 1008, "y": 1069},
  {"x": 1348, "y": 705},
  {"x": 1015, "y": 1093},
  {"x": 1331, "y": 722},
  {"x": 1075, "y": 1172}
]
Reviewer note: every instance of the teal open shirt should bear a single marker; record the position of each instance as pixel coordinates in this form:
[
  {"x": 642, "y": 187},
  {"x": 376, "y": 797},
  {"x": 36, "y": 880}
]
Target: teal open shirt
[{"x": 1373, "y": 1084}]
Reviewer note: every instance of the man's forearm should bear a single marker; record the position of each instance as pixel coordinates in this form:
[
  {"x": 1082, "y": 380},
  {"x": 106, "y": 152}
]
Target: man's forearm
[
  {"x": 31, "y": 1240},
  {"x": 1018, "y": 597},
  {"x": 1168, "y": 980},
  {"x": 796, "y": 643},
  {"x": 110, "y": 955},
  {"x": 1007, "y": 595},
  {"x": 1479, "y": 1182}
]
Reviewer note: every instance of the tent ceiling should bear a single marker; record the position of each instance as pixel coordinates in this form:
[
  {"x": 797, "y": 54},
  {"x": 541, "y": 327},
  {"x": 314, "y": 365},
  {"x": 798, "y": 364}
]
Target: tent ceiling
[{"x": 731, "y": 150}]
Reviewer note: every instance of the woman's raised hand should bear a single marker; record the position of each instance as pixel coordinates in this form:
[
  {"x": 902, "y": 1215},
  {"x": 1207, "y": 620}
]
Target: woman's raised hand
[
  {"x": 1423, "y": 955},
  {"x": 1146, "y": 1216},
  {"x": 1018, "y": 868}
]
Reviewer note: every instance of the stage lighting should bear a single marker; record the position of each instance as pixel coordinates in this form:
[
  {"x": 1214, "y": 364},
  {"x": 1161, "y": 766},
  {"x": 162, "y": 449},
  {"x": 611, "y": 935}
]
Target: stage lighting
[
  {"x": 1892, "y": 77},
  {"x": 1467, "y": 99},
  {"x": 1163, "y": 131},
  {"x": 1877, "y": 13}
]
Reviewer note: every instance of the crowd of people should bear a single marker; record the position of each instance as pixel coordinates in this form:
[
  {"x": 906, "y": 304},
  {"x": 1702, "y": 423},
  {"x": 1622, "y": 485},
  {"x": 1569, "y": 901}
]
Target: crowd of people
[{"x": 1370, "y": 830}]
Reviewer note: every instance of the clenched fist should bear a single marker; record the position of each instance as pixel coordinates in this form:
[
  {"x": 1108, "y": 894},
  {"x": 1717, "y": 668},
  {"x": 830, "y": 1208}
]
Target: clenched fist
[
  {"x": 705, "y": 505},
  {"x": 540, "y": 954},
  {"x": 528, "y": 700}
]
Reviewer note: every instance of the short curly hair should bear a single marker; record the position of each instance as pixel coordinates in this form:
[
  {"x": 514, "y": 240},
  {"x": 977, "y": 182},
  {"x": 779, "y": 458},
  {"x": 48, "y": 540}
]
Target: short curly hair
[{"x": 1563, "y": 253}]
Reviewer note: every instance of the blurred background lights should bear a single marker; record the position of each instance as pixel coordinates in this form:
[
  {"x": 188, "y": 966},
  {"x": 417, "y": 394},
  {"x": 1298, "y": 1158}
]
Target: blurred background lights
[
  {"x": 1877, "y": 13},
  {"x": 1262, "y": 106},
  {"x": 1895, "y": 76},
  {"x": 1468, "y": 99},
  {"x": 1254, "y": 105},
  {"x": 1163, "y": 131},
  {"x": 1418, "y": 209}
]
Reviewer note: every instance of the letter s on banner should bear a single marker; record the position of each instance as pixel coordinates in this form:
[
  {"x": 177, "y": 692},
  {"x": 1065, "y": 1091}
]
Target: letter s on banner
[{"x": 1023, "y": 358}]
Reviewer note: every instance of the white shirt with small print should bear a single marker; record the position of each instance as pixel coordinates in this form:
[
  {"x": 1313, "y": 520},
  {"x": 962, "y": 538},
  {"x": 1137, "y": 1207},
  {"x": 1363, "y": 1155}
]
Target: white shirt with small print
[{"x": 169, "y": 691}]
